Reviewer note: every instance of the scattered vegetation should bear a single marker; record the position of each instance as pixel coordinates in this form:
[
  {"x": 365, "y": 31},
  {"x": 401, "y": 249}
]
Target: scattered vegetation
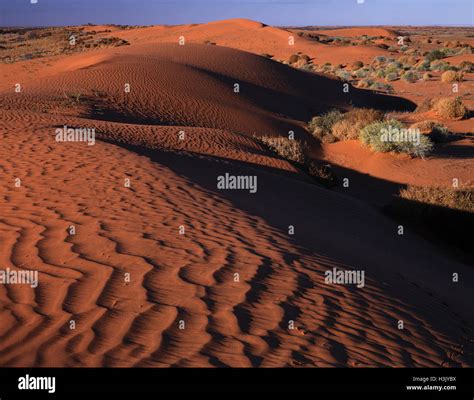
[{"x": 392, "y": 136}]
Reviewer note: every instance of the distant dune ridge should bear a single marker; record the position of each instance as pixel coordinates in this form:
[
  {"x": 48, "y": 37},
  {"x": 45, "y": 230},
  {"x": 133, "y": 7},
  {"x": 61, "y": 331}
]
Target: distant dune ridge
[{"x": 166, "y": 269}]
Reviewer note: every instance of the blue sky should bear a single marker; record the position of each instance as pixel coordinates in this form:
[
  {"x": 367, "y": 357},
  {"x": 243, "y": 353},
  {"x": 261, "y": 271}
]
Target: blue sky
[{"x": 273, "y": 12}]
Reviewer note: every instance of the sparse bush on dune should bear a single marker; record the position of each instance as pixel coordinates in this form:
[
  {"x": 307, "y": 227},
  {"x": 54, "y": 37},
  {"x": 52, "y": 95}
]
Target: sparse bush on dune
[
  {"x": 434, "y": 55},
  {"x": 380, "y": 73},
  {"x": 422, "y": 65},
  {"x": 289, "y": 149},
  {"x": 452, "y": 76},
  {"x": 351, "y": 123},
  {"x": 439, "y": 65},
  {"x": 380, "y": 59},
  {"x": 410, "y": 76},
  {"x": 450, "y": 108},
  {"x": 321, "y": 126},
  {"x": 427, "y": 76},
  {"x": 364, "y": 83},
  {"x": 357, "y": 64},
  {"x": 322, "y": 173},
  {"x": 391, "y": 76},
  {"x": 382, "y": 87},
  {"x": 295, "y": 151},
  {"x": 466, "y": 66},
  {"x": 407, "y": 60},
  {"x": 361, "y": 73},
  {"x": 391, "y": 136},
  {"x": 456, "y": 199},
  {"x": 335, "y": 125},
  {"x": 436, "y": 131},
  {"x": 344, "y": 75}
]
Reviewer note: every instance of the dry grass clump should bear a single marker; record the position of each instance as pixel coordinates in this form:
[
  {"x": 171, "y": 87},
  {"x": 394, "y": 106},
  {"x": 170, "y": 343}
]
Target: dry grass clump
[
  {"x": 354, "y": 121},
  {"x": 321, "y": 126},
  {"x": 335, "y": 125},
  {"x": 456, "y": 199},
  {"x": 436, "y": 131},
  {"x": 427, "y": 76},
  {"x": 452, "y": 76},
  {"x": 322, "y": 173},
  {"x": 450, "y": 108},
  {"x": 289, "y": 149}
]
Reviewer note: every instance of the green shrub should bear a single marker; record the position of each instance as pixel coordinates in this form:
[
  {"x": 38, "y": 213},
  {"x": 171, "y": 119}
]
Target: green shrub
[
  {"x": 436, "y": 131},
  {"x": 392, "y": 76},
  {"x": 387, "y": 136},
  {"x": 434, "y": 55},
  {"x": 410, "y": 76}
]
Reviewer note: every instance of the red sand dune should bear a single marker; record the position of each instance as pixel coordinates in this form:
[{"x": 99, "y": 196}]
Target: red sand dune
[{"x": 191, "y": 278}]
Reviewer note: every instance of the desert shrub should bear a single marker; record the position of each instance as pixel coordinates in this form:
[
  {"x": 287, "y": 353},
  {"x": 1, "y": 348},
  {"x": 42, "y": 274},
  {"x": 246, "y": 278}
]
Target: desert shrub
[
  {"x": 427, "y": 76},
  {"x": 380, "y": 59},
  {"x": 466, "y": 66},
  {"x": 383, "y": 87},
  {"x": 352, "y": 122},
  {"x": 391, "y": 76},
  {"x": 322, "y": 173},
  {"x": 380, "y": 73},
  {"x": 404, "y": 48},
  {"x": 439, "y": 65},
  {"x": 357, "y": 64},
  {"x": 361, "y": 73},
  {"x": 321, "y": 126},
  {"x": 410, "y": 76},
  {"x": 457, "y": 199},
  {"x": 423, "y": 65},
  {"x": 364, "y": 83},
  {"x": 434, "y": 55},
  {"x": 450, "y": 108},
  {"x": 375, "y": 136},
  {"x": 344, "y": 75},
  {"x": 436, "y": 131},
  {"x": 452, "y": 76},
  {"x": 408, "y": 60},
  {"x": 289, "y": 149}
]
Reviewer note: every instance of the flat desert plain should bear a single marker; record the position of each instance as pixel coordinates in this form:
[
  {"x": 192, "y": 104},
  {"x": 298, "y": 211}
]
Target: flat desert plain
[{"x": 213, "y": 215}]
